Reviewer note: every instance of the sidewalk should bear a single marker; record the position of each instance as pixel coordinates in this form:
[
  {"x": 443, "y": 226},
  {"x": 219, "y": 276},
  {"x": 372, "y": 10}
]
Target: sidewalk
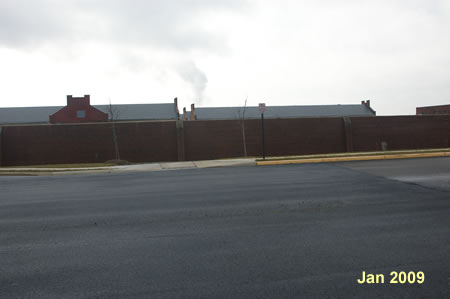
[{"x": 148, "y": 167}]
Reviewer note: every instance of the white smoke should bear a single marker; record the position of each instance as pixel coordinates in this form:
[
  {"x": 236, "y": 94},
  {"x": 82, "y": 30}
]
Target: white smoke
[{"x": 197, "y": 79}]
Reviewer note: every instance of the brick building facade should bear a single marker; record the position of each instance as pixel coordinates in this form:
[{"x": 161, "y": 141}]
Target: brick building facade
[
  {"x": 78, "y": 110},
  {"x": 433, "y": 110}
]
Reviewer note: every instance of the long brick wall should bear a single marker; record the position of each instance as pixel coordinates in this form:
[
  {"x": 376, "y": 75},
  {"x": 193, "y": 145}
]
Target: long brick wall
[
  {"x": 85, "y": 143},
  {"x": 400, "y": 132},
  {"x": 223, "y": 139},
  {"x": 202, "y": 140}
]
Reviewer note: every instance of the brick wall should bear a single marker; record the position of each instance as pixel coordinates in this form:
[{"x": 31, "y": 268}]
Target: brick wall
[
  {"x": 202, "y": 140},
  {"x": 82, "y": 143},
  {"x": 400, "y": 132}
]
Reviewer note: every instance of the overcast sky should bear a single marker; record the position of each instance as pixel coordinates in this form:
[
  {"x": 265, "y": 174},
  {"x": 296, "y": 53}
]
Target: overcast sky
[{"x": 395, "y": 53}]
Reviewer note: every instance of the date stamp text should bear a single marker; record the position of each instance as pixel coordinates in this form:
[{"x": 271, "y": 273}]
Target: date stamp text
[{"x": 395, "y": 277}]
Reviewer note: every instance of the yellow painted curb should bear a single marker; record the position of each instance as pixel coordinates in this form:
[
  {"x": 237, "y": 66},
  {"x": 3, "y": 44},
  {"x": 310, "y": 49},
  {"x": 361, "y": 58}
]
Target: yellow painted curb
[{"x": 354, "y": 158}]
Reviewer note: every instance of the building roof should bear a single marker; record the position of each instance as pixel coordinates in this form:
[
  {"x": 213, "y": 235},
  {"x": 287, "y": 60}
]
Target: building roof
[
  {"x": 18, "y": 115},
  {"x": 124, "y": 112},
  {"x": 221, "y": 113},
  {"x": 142, "y": 111}
]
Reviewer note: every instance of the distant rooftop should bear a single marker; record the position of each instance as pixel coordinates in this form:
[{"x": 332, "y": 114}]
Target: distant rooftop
[
  {"x": 223, "y": 113},
  {"x": 142, "y": 111},
  {"x": 17, "y": 115}
]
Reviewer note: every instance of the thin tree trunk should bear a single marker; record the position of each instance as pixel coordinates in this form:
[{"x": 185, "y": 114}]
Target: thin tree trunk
[
  {"x": 113, "y": 125},
  {"x": 116, "y": 144},
  {"x": 243, "y": 139},
  {"x": 243, "y": 128}
]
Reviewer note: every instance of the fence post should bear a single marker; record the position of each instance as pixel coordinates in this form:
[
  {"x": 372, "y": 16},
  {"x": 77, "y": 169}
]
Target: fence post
[
  {"x": 180, "y": 140},
  {"x": 1, "y": 146},
  {"x": 448, "y": 131},
  {"x": 348, "y": 134}
]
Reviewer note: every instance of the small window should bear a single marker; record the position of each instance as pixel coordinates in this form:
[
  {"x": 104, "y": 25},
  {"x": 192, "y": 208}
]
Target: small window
[{"x": 81, "y": 113}]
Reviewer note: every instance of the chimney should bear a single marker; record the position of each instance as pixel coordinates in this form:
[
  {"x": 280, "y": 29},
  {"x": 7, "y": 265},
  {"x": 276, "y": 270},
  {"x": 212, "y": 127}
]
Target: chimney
[
  {"x": 192, "y": 116},
  {"x": 367, "y": 103},
  {"x": 86, "y": 100},
  {"x": 184, "y": 113},
  {"x": 175, "y": 101}
]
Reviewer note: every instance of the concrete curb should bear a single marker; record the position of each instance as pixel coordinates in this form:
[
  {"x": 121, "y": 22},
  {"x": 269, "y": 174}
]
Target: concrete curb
[
  {"x": 149, "y": 167},
  {"x": 354, "y": 158}
]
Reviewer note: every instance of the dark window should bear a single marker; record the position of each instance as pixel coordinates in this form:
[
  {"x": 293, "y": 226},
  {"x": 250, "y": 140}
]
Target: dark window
[{"x": 81, "y": 113}]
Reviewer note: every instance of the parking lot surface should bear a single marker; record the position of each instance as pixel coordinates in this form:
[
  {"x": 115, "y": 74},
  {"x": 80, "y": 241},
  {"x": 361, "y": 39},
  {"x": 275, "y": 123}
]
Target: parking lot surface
[
  {"x": 294, "y": 231},
  {"x": 433, "y": 173}
]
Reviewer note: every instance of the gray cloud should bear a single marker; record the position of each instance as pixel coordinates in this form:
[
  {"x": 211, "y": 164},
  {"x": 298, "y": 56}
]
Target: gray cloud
[
  {"x": 157, "y": 24},
  {"x": 338, "y": 50},
  {"x": 27, "y": 23},
  {"x": 172, "y": 27}
]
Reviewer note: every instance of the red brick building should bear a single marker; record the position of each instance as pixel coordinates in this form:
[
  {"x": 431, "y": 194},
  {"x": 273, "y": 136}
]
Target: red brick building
[
  {"x": 78, "y": 110},
  {"x": 433, "y": 110}
]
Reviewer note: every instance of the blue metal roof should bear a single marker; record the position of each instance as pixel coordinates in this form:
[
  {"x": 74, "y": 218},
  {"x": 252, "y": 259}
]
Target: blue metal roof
[
  {"x": 23, "y": 115},
  {"x": 222, "y": 113}
]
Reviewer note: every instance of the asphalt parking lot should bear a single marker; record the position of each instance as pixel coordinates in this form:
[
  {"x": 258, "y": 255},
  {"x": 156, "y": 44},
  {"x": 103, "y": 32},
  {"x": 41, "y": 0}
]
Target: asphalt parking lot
[
  {"x": 293, "y": 231},
  {"x": 433, "y": 173}
]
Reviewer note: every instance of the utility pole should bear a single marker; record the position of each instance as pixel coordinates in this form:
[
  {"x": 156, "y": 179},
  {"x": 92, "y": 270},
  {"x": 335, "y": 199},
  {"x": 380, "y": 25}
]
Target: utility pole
[{"x": 262, "y": 109}]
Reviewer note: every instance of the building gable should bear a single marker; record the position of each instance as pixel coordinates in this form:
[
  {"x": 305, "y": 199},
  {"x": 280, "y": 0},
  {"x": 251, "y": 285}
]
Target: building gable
[{"x": 78, "y": 110}]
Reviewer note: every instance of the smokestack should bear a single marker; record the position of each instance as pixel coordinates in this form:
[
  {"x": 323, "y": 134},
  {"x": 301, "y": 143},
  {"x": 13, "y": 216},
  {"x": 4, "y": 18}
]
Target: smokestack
[
  {"x": 175, "y": 101},
  {"x": 192, "y": 116}
]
